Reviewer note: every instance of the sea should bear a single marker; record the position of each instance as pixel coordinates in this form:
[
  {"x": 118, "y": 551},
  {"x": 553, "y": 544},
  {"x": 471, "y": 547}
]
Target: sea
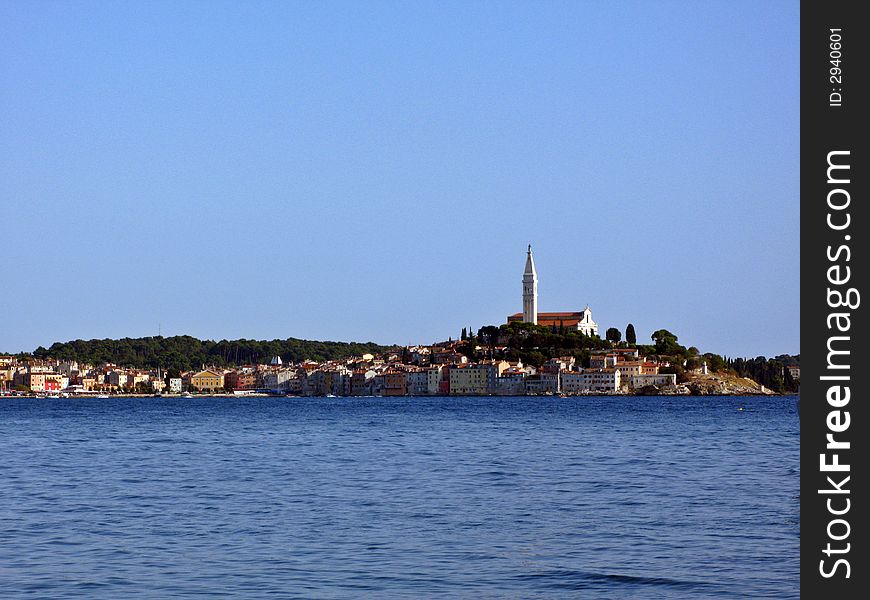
[{"x": 437, "y": 497}]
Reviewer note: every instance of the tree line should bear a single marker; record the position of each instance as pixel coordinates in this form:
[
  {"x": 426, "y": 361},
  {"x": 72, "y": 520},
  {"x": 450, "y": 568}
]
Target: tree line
[{"x": 185, "y": 353}]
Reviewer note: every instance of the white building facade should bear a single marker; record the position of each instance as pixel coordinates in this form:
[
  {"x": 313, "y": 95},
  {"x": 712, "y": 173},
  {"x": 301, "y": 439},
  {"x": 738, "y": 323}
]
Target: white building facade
[{"x": 597, "y": 380}]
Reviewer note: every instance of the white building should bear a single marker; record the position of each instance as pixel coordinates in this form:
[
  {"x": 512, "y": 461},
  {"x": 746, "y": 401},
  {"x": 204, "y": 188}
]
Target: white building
[
  {"x": 659, "y": 380},
  {"x": 591, "y": 380},
  {"x": 585, "y": 324},
  {"x": 511, "y": 384},
  {"x": 418, "y": 383},
  {"x": 433, "y": 379},
  {"x": 276, "y": 380},
  {"x": 543, "y": 383}
]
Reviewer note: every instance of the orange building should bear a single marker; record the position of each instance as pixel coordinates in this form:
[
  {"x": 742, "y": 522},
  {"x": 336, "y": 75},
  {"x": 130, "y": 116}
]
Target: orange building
[{"x": 207, "y": 381}]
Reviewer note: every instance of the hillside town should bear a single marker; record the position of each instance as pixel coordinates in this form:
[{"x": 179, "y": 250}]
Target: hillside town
[
  {"x": 459, "y": 368},
  {"x": 415, "y": 371}
]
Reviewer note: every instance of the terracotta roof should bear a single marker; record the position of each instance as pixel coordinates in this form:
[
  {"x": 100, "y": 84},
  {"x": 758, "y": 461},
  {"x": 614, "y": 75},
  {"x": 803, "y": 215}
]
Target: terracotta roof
[{"x": 552, "y": 315}]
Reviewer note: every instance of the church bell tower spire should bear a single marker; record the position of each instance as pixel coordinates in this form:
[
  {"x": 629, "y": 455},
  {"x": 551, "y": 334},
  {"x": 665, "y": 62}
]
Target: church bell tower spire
[{"x": 530, "y": 290}]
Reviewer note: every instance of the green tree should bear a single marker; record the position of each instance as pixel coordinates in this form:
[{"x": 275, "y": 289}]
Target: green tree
[
  {"x": 666, "y": 343},
  {"x": 534, "y": 358},
  {"x": 184, "y": 353},
  {"x": 630, "y": 335},
  {"x": 613, "y": 335},
  {"x": 677, "y": 370},
  {"x": 715, "y": 362},
  {"x": 489, "y": 336}
]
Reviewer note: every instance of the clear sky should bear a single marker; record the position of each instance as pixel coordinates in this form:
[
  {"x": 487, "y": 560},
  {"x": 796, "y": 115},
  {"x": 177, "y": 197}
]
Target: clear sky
[{"x": 374, "y": 170}]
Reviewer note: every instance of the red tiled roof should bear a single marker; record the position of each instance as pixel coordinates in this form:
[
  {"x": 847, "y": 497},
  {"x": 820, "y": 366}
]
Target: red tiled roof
[{"x": 552, "y": 315}]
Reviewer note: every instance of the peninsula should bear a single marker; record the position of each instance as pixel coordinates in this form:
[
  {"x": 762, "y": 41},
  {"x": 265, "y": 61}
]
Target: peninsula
[
  {"x": 532, "y": 353},
  {"x": 512, "y": 359}
]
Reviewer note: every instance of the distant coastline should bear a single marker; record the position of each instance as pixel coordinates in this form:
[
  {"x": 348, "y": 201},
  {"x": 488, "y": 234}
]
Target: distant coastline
[{"x": 487, "y": 364}]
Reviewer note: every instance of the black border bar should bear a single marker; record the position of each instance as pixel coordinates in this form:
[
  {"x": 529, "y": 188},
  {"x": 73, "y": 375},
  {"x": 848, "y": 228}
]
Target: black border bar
[{"x": 834, "y": 229}]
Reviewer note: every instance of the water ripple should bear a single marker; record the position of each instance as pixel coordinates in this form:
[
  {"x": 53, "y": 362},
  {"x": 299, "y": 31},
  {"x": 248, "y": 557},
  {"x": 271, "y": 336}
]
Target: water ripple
[{"x": 399, "y": 498}]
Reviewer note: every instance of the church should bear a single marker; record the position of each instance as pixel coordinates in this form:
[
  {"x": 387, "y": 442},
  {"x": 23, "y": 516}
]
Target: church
[{"x": 581, "y": 321}]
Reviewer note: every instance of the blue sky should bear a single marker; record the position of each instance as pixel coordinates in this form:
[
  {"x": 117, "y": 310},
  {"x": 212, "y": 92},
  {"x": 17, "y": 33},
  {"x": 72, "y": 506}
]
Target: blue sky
[{"x": 374, "y": 171}]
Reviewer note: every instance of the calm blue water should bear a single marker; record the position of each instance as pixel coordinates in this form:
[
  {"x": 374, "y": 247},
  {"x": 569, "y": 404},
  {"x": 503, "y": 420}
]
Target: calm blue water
[{"x": 399, "y": 498}]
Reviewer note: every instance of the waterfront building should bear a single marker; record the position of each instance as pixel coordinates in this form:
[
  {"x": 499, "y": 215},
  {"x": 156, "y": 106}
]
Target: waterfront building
[
  {"x": 207, "y": 381},
  {"x": 418, "y": 382},
  {"x": 378, "y": 385},
  {"x": 241, "y": 379},
  {"x": 7, "y": 373},
  {"x": 34, "y": 381},
  {"x": 637, "y": 382},
  {"x": 511, "y": 383},
  {"x": 40, "y": 380},
  {"x": 295, "y": 384},
  {"x": 468, "y": 380},
  {"x": 24, "y": 378},
  {"x": 361, "y": 382},
  {"x": 314, "y": 383},
  {"x": 543, "y": 383},
  {"x": 434, "y": 376},
  {"x": 591, "y": 380},
  {"x": 334, "y": 381},
  {"x": 276, "y": 379},
  {"x": 395, "y": 383},
  {"x": 175, "y": 385}
]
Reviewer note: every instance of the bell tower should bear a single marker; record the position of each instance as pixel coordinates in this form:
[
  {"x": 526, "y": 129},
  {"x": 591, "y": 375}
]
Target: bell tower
[{"x": 530, "y": 290}]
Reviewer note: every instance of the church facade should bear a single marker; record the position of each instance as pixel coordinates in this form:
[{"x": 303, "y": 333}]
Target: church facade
[{"x": 578, "y": 320}]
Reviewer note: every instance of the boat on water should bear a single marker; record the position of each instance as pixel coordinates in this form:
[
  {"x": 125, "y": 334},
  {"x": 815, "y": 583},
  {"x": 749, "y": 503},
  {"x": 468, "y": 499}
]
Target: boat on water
[{"x": 104, "y": 396}]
